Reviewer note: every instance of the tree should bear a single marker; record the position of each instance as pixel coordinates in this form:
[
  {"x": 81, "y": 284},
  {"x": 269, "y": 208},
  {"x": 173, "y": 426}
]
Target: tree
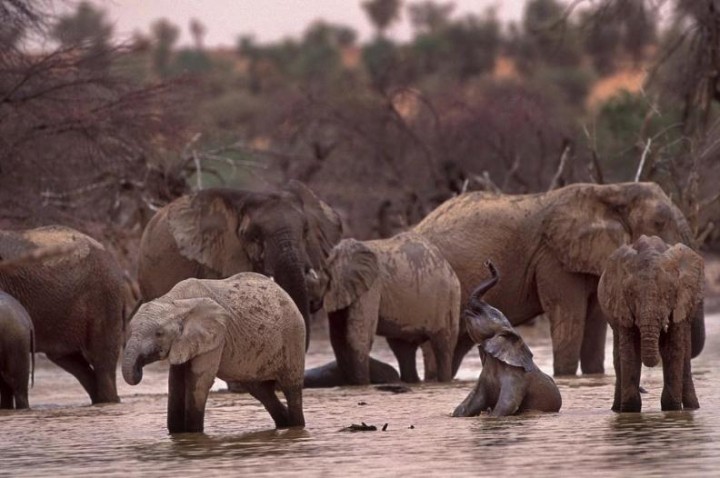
[
  {"x": 430, "y": 17},
  {"x": 86, "y": 27},
  {"x": 382, "y": 13},
  {"x": 165, "y": 35}
]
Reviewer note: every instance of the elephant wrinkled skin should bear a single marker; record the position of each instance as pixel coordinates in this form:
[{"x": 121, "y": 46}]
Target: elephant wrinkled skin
[
  {"x": 76, "y": 300},
  {"x": 216, "y": 233},
  {"x": 510, "y": 382},
  {"x": 244, "y": 329},
  {"x": 552, "y": 248},
  {"x": 649, "y": 292}
]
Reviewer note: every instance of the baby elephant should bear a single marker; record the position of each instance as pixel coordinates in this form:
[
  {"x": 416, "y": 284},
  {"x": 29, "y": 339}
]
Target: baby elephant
[
  {"x": 244, "y": 328},
  {"x": 510, "y": 382},
  {"x": 17, "y": 347},
  {"x": 649, "y": 292}
]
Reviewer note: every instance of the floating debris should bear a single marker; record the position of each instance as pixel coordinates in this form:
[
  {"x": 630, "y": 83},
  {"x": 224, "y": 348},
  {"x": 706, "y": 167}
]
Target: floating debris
[
  {"x": 412, "y": 427},
  {"x": 393, "y": 388},
  {"x": 384, "y": 427},
  {"x": 363, "y": 427},
  {"x": 362, "y": 403}
]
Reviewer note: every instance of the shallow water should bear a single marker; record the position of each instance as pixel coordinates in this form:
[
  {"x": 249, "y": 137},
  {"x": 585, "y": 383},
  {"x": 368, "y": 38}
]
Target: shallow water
[{"x": 63, "y": 436}]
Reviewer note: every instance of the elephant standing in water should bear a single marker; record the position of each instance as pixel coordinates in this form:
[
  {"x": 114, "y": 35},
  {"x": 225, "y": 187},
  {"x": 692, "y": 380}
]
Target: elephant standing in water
[
  {"x": 552, "y": 248},
  {"x": 649, "y": 292},
  {"x": 510, "y": 382},
  {"x": 77, "y": 302},
  {"x": 244, "y": 328},
  {"x": 216, "y": 233},
  {"x": 17, "y": 348},
  {"x": 400, "y": 288}
]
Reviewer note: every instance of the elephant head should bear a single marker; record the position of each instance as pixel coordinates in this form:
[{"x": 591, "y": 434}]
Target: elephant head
[
  {"x": 177, "y": 330},
  {"x": 284, "y": 234},
  {"x": 352, "y": 268},
  {"x": 587, "y": 223},
  {"x": 650, "y": 285}
]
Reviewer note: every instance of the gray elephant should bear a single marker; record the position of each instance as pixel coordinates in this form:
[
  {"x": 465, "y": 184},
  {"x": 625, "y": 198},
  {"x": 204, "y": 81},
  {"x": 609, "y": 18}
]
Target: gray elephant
[
  {"x": 244, "y": 329},
  {"x": 552, "y": 249},
  {"x": 216, "y": 233},
  {"x": 510, "y": 382},
  {"x": 17, "y": 348},
  {"x": 76, "y": 301},
  {"x": 399, "y": 288},
  {"x": 650, "y": 292}
]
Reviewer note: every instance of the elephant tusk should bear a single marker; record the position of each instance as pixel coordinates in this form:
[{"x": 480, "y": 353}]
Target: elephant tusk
[{"x": 313, "y": 275}]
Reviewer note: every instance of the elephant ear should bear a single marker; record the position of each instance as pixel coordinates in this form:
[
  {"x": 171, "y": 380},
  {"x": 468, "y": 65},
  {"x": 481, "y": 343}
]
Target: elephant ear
[
  {"x": 353, "y": 269},
  {"x": 205, "y": 228},
  {"x": 508, "y": 347},
  {"x": 203, "y": 329},
  {"x": 583, "y": 227},
  {"x": 691, "y": 276},
  {"x": 325, "y": 225},
  {"x": 611, "y": 289}
]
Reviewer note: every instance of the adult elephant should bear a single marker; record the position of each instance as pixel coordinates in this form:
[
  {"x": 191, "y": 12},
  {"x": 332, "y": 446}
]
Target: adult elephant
[
  {"x": 216, "y": 233},
  {"x": 74, "y": 292},
  {"x": 553, "y": 248}
]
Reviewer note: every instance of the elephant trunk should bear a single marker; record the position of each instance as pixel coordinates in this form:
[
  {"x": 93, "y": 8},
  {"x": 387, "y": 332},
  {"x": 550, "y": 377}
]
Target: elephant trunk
[
  {"x": 288, "y": 270},
  {"x": 649, "y": 340}
]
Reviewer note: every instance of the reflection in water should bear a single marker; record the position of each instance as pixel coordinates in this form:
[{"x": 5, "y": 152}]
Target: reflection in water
[{"x": 64, "y": 436}]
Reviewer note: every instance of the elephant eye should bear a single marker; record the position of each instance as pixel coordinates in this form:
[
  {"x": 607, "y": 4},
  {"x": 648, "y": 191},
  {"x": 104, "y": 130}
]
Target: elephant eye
[{"x": 159, "y": 333}]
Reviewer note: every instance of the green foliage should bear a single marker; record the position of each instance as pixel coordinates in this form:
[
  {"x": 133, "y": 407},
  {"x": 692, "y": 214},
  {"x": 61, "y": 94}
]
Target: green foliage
[
  {"x": 88, "y": 28},
  {"x": 575, "y": 83},
  {"x": 382, "y": 13}
]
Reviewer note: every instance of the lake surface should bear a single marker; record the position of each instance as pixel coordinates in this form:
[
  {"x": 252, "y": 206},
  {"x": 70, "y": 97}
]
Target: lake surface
[{"x": 64, "y": 436}]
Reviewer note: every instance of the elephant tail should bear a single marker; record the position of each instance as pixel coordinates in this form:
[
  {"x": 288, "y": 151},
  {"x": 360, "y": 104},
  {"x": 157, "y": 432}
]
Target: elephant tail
[
  {"x": 32, "y": 357},
  {"x": 477, "y": 295}
]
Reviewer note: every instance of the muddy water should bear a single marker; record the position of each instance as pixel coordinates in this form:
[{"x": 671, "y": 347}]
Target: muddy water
[{"x": 63, "y": 436}]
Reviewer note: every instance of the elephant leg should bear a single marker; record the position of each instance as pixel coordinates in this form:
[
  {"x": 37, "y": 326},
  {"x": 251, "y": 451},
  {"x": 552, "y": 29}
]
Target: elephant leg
[
  {"x": 405, "y": 353},
  {"x": 513, "y": 387},
  {"x": 618, "y": 371},
  {"x": 76, "y": 365},
  {"x": 264, "y": 392},
  {"x": 464, "y": 344},
  {"x": 673, "y": 352},
  {"x": 293, "y": 397},
  {"x": 630, "y": 364},
  {"x": 475, "y": 403},
  {"x": 442, "y": 346},
  {"x": 176, "y": 398},
  {"x": 6, "y": 395},
  {"x": 106, "y": 387},
  {"x": 689, "y": 398},
  {"x": 592, "y": 352},
  {"x": 199, "y": 378},
  {"x": 430, "y": 363}
]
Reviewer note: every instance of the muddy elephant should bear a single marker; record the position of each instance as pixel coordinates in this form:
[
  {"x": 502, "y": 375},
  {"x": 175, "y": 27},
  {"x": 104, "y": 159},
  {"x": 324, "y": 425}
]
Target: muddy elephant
[
  {"x": 244, "y": 329},
  {"x": 17, "y": 348},
  {"x": 400, "y": 288},
  {"x": 552, "y": 248},
  {"x": 510, "y": 382},
  {"x": 649, "y": 292},
  {"x": 216, "y": 233},
  {"x": 76, "y": 301}
]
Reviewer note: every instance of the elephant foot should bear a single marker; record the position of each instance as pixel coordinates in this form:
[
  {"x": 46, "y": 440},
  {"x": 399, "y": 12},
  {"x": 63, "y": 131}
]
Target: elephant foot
[
  {"x": 634, "y": 406},
  {"x": 330, "y": 375}
]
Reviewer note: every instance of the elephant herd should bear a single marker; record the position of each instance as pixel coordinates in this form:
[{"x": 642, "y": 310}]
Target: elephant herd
[{"x": 229, "y": 280}]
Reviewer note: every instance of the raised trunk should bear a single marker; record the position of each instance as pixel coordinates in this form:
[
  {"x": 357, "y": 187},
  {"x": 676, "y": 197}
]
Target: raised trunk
[
  {"x": 649, "y": 340},
  {"x": 283, "y": 262}
]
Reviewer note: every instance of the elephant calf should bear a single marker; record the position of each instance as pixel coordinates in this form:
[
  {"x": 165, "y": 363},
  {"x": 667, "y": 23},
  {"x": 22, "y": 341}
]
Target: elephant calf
[
  {"x": 650, "y": 292},
  {"x": 401, "y": 288},
  {"x": 245, "y": 328},
  {"x": 510, "y": 382},
  {"x": 17, "y": 346}
]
